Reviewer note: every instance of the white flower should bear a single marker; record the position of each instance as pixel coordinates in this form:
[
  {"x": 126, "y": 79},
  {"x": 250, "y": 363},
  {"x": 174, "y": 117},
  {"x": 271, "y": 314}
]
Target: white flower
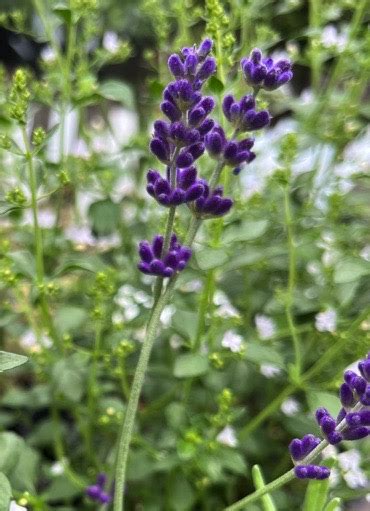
[
  {"x": 15, "y": 507},
  {"x": 47, "y": 54},
  {"x": 290, "y": 407},
  {"x": 313, "y": 268},
  {"x": 332, "y": 38},
  {"x": 326, "y": 321},
  {"x": 46, "y": 218},
  {"x": 111, "y": 42},
  {"x": 365, "y": 253},
  {"x": 232, "y": 341},
  {"x": 167, "y": 314},
  {"x": 225, "y": 308},
  {"x": 355, "y": 478},
  {"x": 265, "y": 326},
  {"x": 269, "y": 370},
  {"x": 349, "y": 460},
  {"x": 80, "y": 235},
  {"x": 329, "y": 452},
  {"x": 57, "y": 468},
  {"x": 131, "y": 312},
  {"x": 175, "y": 342},
  {"x": 29, "y": 341},
  {"x": 193, "y": 286},
  {"x": 227, "y": 437}
]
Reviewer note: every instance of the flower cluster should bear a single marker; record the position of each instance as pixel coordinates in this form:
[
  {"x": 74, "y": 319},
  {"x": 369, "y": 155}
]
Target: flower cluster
[
  {"x": 96, "y": 491},
  {"x": 264, "y": 73},
  {"x": 352, "y": 423},
  {"x": 153, "y": 262},
  {"x": 179, "y": 141}
]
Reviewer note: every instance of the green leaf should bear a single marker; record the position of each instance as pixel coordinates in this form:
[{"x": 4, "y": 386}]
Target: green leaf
[
  {"x": 181, "y": 495},
  {"x": 210, "y": 258},
  {"x": 234, "y": 462},
  {"x": 190, "y": 365},
  {"x": 215, "y": 85},
  {"x": 11, "y": 446},
  {"x": 69, "y": 376},
  {"x": 24, "y": 473},
  {"x": 61, "y": 489},
  {"x": 69, "y": 318},
  {"x": 105, "y": 216},
  {"x": 245, "y": 232},
  {"x": 263, "y": 354},
  {"x": 91, "y": 263},
  {"x": 23, "y": 263},
  {"x": 328, "y": 400},
  {"x": 185, "y": 323},
  {"x": 117, "y": 91},
  {"x": 333, "y": 505},
  {"x": 349, "y": 270},
  {"x": 63, "y": 12},
  {"x": 5, "y": 493},
  {"x": 10, "y": 360},
  {"x": 317, "y": 493},
  {"x": 259, "y": 483}
]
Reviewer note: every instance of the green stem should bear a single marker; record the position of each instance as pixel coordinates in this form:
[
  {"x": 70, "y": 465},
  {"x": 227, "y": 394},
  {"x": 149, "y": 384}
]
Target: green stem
[
  {"x": 139, "y": 377},
  {"x": 314, "y": 18},
  {"x": 291, "y": 282}
]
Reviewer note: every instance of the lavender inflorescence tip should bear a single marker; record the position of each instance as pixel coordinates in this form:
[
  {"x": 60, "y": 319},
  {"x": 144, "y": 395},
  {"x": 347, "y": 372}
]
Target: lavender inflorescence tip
[
  {"x": 96, "y": 491},
  {"x": 260, "y": 72},
  {"x": 352, "y": 423},
  {"x": 154, "y": 262}
]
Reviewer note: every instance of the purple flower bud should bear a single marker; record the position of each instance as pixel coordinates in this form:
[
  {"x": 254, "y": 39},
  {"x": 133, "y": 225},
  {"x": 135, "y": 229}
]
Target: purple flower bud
[
  {"x": 327, "y": 424},
  {"x": 365, "y": 398},
  {"x": 157, "y": 267},
  {"x": 256, "y": 120},
  {"x": 231, "y": 150},
  {"x": 360, "y": 418},
  {"x": 161, "y": 129},
  {"x": 206, "y": 127},
  {"x": 145, "y": 252},
  {"x": 311, "y": 472},
  {"x": 144, "y": 267},
  {"x": 191, "y": 63},
  {"x": 196, "y": 150},
  {"x": 309, "y": 442},
  {"x": 157, "y": 246},
  {"x": 207, "y": 69},
  {"x": 334, "y": 437},
  {"x": 295, "y": 449},
  {"x": 227, "y": 103},
  {"x": 196, "y": 116},
  {"x": 194, "y": 192},
  {"x": 256, "y": 55},
  {"x": 160, "y": 149},
  {"x": 105, "y": 498},
  {"x": 207, "y": 103},
  {"x": 234, "y": 112},
  {"x": 320, "y": 414},
  {"x": 93, "y": 491},
  {"x": 346, "y": 395},
  {"x": 171, "y": 111},
  {"x": 246, "y": 144},
  {"x": 176, "y": 66},
  {"x": 341, "y": 415},
  {"x": 214, "y": 143},
  {"x": 184, "y": 159},
  {"x": 205, "y": 47},
  {"x": 356, "y": 433},
  {"x": 364, "y": 367}
]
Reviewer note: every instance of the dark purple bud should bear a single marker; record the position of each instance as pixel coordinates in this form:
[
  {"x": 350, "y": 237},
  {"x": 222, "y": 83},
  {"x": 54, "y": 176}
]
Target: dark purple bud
[
  {"x": 144, "y": 267},
  {"x": 230, "y": 151},
  {"x": 259, "y": 120},
  {"x": 171, "y": 111},
  {"x": 227, "y": 103},
  {"x": 361, "y": 418},
  {"x": 246, "y": 144},
  {"x": 152, "y": 176},
  {"x": 256, "y": 55},
  {"x": 196, "y": 150},
  {"x": 295, "y": 449},
  {"x": 105, "y": 498},
  {"x": 247, "y": 103},
  {"x": 322, "y": 473},
  {"x": 93, "y": 491},
  {"x": 311, "y": 472},
  {"x": 161, "y": 129},
  {"x": 185, "y": 91},
  {"x": 176, "y": 66},
  {"x": 194, "y": 192},
  {"x": 346, "y": 395},
  {"x": 224, "y": 207},
  {"x": 327, "y": 424},
  {"x": 177, "y": 197},
  {"x": 356, "y": 433},
  {"x": 185, "y": 253},
  {"x": 364, "y": 367},
  {"x": 171, "y": 260},
  {"x": 271, "y": 80},
  {"x": 184, "y": 159},
  {"x": 101, "y": 479},
  {"x": 283, "y": 65},
  {"x": 341, "y": 415},
  {"x": 349, "y": 377},
  {"x": 207, "y": 69},
  {"x": 320, "y": 414},
  {"x": 214, "y": 143},
  {"x": 365, "y": 398},
  {"x": 196, "y": 116},
  {"x": 206, "y": 127},
  {"x": 284, "y": 78},
  {"x": 258, "y": 73},
  {"x": 157, "y": 246},
  {"x": 309, "y": 442},
  {"x": 162, "y": 186},
  {"x": 145, "y": 251},
  {"x": 168, "y": 272},
  {"x": 186, "y": 177},
  {"x": 156, "y": 267},
  {"x": 234, "y": 111},
  {"x": 207, "y": 103},
  {"x": 178, "y": 132},
  {"x": 191, "y": 63},
  {"x": 334, "y": 437},
  {"x": 160, "y": 149},
  {"x": 205, "y": 47}
]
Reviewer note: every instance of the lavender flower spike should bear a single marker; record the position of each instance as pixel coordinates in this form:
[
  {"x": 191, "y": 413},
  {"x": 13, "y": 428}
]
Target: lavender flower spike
[
  {"x": 96, "y": 491},
  {"x": 264, "y": 73},
  {"x": 352, "y": 423}
]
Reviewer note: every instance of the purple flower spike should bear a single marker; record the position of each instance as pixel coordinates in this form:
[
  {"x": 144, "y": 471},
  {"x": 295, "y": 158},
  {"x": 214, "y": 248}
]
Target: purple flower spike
[
  {"x": 356, "y": 433},
  {"x": 165, "y": 265},
  {"x": 104, "y": 498},
  {"x": 360, "y": 418},
  {"x": 93, "y": 491},
  {"x": 264, "y": 73},
  {"x": 311, "y": 472},
  {"x": 205, "y": 47},
  {"x": 207, "y": 69}
]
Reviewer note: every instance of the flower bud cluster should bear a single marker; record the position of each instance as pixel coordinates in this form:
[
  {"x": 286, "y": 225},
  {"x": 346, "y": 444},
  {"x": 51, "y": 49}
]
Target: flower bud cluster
[
  {"x": 264, "y": 73},
  {"x": 96, "y": 491},
  {"x": 352, "y": 423},
  {"x": 153, "y": 262}
]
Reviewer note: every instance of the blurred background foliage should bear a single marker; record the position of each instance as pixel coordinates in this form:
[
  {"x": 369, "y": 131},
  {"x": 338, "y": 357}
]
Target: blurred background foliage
[{"x": 222, "y": 392}]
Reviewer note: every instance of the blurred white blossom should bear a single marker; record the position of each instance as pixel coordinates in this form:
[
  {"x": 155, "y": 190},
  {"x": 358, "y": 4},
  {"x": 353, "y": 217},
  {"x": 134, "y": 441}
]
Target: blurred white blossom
[
  {"x": 265, "y": 326},
  {"x": 227, "y": 437},
  {"x": 232, "y": 341},
  {"x": 331, "y": 37},
  {"x": 269, "y": 370},
  {"x": 290, "y": 406},
  {"x": 16, "y": 507},
  {"x": 111, "y": 42},
  {"x": 326, "y": 321}
]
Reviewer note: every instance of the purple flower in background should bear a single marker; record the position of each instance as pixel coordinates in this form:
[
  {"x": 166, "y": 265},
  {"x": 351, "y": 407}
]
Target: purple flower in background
[
  {"x": 352, "y": 423},
  {"x": 243, "y": 114},
  {"x": 96, "y": 491},
  {"x": 212, "y": 203},
  {"x": 153, "y": 262},
  {"x": 264, "y": 73}
]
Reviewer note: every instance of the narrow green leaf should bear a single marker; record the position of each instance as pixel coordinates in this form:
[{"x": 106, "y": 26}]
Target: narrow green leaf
[
  {"x": 10, "y": 360},
  {"x": 117, "y": 91},
  {"x": 259, "y": 483},
  {"x": 190, "y": 365},
  {"x": 5, "y": 493},
  {"x": 209, "y": 258},
  {"x": 333, "y": 505}
]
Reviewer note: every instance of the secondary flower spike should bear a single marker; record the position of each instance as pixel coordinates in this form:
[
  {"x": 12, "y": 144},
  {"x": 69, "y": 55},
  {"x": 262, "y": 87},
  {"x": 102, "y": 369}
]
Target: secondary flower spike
[
  {"x": 153, "y": 262},
  {"x": 264, "y": 73},
  {"x": 352, "y": 423},
  {"x": 96, "y": 491}
]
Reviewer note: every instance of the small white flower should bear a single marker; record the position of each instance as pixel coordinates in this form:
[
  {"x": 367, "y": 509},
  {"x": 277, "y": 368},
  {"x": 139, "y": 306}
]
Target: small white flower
[
  {"x": 57, "y": 468},
  {"x": 367, "y": 497},
  {"x": 313, "y": 268},
  {"x": 365, "y": 253},
  {"x": 111, "y": 42},
  {"x": 225, "y": 308},
  {"x": 290, "y": 407},
  {"x": 80, "y": 235},
  {"x": 29, "y": 341},
  {"x": 326, "y": 321},
  {"x": 355, "y": 478},
  {"x": 329, "y": 452},
  {"x": 15, "y": 507},
  {"x": 47, "y": 54},
  {"x": 332, "y": 38},
  {"x": 265, "y": 326},
  {"x": 193, "y": 286},
  {"x": 117, "y": 318},
  {"x": 232, "y": 341},
  {"x": 227, "y": 437},
  {"x": 131, "y": 312},
  {"x": 334, "y": 479},
  {"x": 175, "y": 342},
  {"x": 269, "y": 370},
  {"x": 167, "y": 314},
  {"x": 349, "y": 460}
]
